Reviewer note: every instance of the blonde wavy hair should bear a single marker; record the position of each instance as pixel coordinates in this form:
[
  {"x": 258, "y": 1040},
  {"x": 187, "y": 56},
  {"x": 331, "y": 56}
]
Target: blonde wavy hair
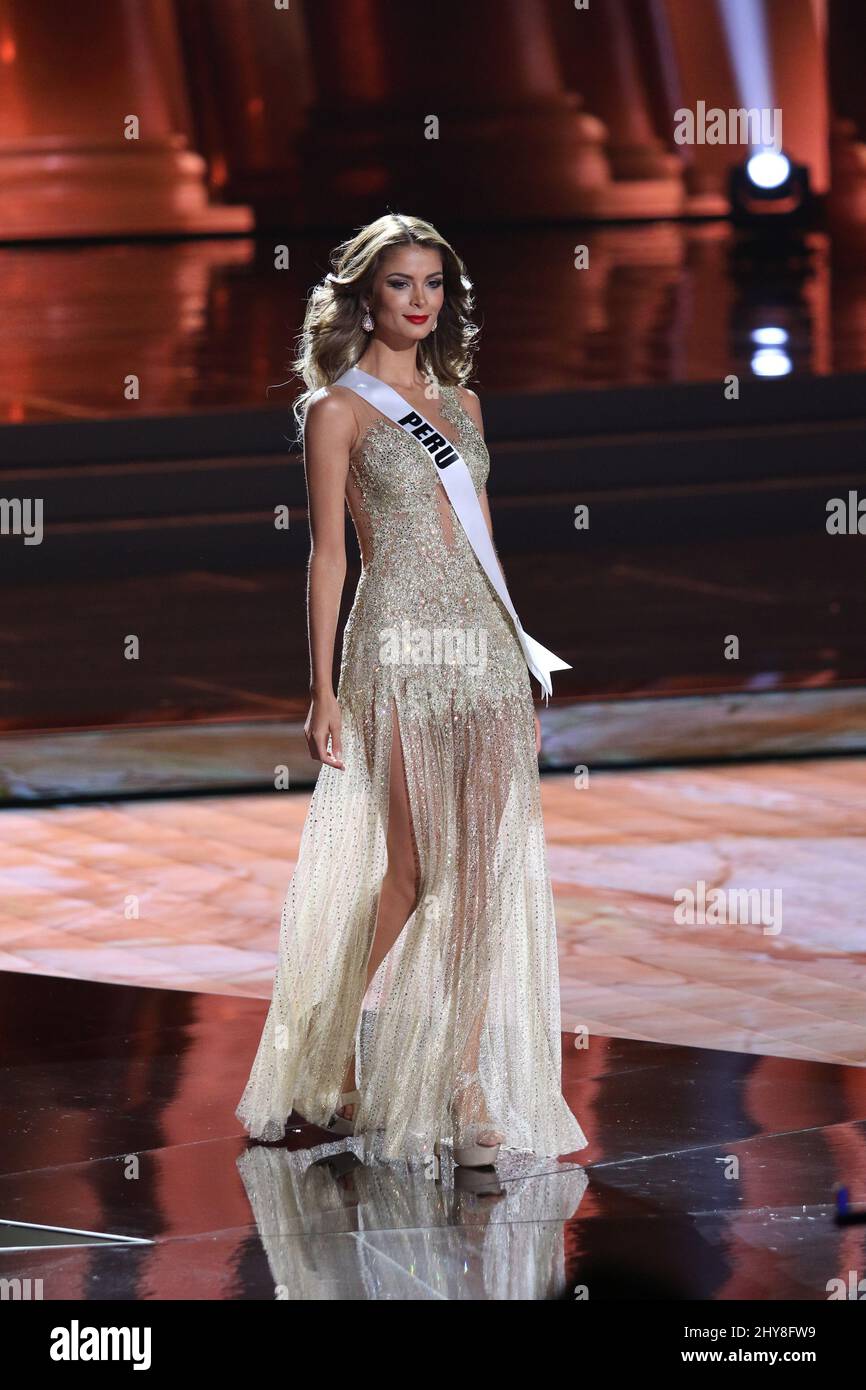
[{"x": 332, "y": 339}]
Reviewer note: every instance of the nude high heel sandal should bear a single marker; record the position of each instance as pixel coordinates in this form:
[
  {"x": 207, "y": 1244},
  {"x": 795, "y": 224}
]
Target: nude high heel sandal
[
  {"x": 338, "y": 1124},
  {"x": 474, "y": 1153},
  {"x": 477, "y": 1155}
]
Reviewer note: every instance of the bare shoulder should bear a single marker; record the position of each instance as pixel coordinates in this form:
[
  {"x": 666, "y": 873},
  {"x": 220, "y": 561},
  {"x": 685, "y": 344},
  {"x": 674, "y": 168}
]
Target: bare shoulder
[
  {"x": 472, "y": 405},
  {"x": 330, "y": 414}
]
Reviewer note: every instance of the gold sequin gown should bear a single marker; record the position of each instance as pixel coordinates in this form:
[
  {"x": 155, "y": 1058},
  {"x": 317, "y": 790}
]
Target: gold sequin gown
[{"x": 459, "y": 1030}]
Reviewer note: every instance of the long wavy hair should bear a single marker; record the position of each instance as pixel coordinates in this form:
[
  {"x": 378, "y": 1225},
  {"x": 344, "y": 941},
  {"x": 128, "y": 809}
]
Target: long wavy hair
[{"x": 332, "y": 339}]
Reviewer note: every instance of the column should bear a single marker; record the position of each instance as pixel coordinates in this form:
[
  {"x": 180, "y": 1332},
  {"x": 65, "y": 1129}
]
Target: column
[
  {"x": 846, "y": 34},
  {"x": 250, "y": 84},
  {"x": 72, "y": 75},
  {"x": 606, "y": 56},
  {"x": 512, "y": 141}
]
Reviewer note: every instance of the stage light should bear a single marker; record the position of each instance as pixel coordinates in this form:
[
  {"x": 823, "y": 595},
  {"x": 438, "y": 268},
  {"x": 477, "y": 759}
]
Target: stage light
[
  {"x": 771, "y": 361},
  {"x": 769, "y": 337},
  {"x": 768, "y": 189},
  {"x": 768, "y": 168}
]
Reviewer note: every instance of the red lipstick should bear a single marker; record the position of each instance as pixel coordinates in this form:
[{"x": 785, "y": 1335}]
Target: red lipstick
[{"x": 417, "y": 318}]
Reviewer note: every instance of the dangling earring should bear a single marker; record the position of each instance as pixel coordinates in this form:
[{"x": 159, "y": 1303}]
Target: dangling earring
[
  {"x": 367, "y": 322},
  {"x": 435, "y": 321}
]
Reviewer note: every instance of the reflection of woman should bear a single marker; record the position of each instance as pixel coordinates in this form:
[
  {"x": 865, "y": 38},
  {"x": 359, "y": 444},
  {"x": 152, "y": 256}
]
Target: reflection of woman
[
  {"x": 470, "y": 1235},
  {"x": 417, "y": 990}
]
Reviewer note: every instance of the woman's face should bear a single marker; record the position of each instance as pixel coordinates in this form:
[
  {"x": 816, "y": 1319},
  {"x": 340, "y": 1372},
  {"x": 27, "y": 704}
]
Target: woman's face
[{"x": 408, "y": 292}]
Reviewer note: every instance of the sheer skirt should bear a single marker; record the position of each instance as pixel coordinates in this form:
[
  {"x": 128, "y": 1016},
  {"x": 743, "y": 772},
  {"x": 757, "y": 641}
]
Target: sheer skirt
[{"x": 459, "y": 1030}]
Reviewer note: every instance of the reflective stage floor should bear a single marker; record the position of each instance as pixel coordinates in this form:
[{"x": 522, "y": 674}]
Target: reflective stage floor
[
  {"x": 709, "y": 1174},
  {"x": 211, "y": 322},
  {"x": 185, "y": 893},
  {"x": 717, "y": 1071}
]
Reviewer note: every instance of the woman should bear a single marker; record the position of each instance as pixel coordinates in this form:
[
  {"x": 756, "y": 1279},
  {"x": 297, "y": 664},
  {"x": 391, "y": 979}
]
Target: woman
[{"x": 416, "y": 998}]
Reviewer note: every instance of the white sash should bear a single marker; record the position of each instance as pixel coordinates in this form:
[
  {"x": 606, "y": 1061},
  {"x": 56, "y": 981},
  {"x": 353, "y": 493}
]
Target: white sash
[{"x": 457, "y": 482}]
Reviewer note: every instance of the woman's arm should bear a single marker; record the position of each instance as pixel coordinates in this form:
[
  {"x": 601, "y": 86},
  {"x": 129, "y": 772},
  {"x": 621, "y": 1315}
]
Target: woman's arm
[
  {"x": 472, "y": 406},
  {"x": 329, "y": 433}
]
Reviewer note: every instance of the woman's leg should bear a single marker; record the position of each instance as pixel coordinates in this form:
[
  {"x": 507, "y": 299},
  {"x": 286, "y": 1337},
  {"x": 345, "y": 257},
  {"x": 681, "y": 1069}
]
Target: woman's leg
[{"x": 401, "y": 883}]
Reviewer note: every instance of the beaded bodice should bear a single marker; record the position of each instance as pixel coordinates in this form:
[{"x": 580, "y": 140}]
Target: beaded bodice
[{"x": 419, "y": 568}]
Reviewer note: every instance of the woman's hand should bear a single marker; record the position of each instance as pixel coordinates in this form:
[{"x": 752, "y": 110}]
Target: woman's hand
[
  {"x": 323, "y": 721},
  {"x": 537, "y": 734}
]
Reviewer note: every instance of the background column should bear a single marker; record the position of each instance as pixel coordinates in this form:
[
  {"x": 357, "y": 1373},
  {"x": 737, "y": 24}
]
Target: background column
[{"x": 66, "y": 168}]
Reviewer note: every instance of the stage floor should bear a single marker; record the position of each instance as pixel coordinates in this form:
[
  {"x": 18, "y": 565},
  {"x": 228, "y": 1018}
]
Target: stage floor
[
  {"x": 716, "y": 1070},
  {"x": 186, "y": 893},
  {"x": 210, "y": 323},
  {"x": 708, "y": 1174}
]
